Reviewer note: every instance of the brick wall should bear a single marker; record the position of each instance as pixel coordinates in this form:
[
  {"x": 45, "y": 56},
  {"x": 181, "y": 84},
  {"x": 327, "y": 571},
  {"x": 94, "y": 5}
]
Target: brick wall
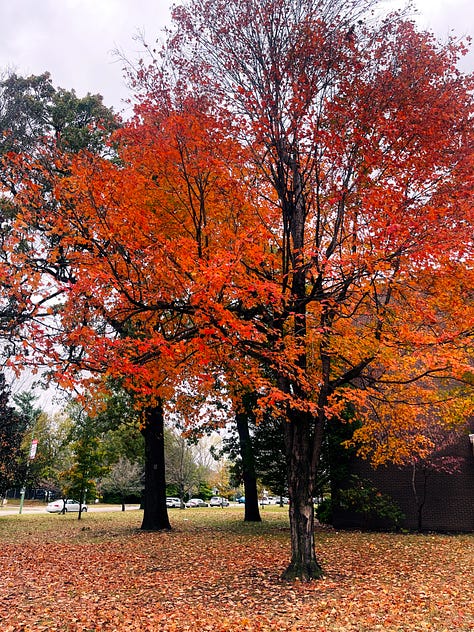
[{"x": 449, "y": 505}]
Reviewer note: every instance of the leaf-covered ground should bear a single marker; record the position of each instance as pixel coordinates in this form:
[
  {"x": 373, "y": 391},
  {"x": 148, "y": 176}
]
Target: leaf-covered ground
[{"x": 215, "y": 573}]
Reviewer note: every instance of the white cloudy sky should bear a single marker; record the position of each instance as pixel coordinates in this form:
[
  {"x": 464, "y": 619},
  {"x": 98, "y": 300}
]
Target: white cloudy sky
[{"x": 74, "y": 39}]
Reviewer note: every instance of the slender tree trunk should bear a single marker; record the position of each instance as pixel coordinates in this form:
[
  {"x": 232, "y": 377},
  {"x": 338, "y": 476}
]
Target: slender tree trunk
[
  {"x": 81, "y": 499},
  {"x": 419, "y": 501},
  {"x": 155, "y": 514},
  {"x": 252, "y": 512},
  {"x": 423, "y": 501},
  {"x": 299, "y": 443}
]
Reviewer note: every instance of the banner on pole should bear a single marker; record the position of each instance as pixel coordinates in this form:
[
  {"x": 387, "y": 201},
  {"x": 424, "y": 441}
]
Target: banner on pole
[{"x": 34, "y": 447}]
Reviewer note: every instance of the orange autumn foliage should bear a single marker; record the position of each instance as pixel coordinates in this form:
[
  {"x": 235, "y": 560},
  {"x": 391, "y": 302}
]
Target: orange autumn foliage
[{"x": 157, "y": 243}]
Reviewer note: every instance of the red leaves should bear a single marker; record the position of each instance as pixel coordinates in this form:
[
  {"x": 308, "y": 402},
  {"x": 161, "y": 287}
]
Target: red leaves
[{"x": 215, "y": 573}]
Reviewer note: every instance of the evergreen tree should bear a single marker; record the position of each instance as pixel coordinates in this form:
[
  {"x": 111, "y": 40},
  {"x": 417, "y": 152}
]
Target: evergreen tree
[{"x": 13, "y": 425}]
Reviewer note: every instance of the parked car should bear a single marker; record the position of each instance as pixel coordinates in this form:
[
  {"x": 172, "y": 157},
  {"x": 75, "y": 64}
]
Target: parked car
[
  {"x": 277, "y": 500},
  {"x": 218, "y": 501},
  {"x": 56, "y": 506},
  {"x": 241, "y": 500},
  {"x": 172, "y": 501},
  {"x": 196, "y": 502}
]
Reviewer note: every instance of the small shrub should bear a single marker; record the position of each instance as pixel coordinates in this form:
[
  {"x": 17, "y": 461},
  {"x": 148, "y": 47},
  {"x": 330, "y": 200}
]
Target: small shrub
[
  {"x": 324, "y": 511},
  {"x": 379, "y": 510}
]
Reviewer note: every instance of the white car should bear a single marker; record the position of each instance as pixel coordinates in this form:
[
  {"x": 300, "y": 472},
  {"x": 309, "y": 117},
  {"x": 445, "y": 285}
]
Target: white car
[
  {"x": 172, "y": 501},
  {"x": 196, "y": 502},
  {"x": 56, "y": 506},
  {"x": 218, "y": 501},
  {"x": 274, "y": 500}
]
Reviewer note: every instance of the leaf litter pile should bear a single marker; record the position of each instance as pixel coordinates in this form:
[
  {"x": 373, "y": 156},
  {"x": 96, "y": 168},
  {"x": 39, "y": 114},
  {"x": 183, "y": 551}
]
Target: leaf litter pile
[{"x": 215, "y": 573}]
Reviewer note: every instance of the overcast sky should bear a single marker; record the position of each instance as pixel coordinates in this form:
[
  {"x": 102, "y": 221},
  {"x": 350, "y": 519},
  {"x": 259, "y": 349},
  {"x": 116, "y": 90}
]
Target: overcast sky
[{"x": 75, "y": 39}]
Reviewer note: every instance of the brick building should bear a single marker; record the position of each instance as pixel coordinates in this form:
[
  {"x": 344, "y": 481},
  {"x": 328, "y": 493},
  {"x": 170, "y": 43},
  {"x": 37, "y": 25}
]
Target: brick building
[{"x": 444, "y": 499}]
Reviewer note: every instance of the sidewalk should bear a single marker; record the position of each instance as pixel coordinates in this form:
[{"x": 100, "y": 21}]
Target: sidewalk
[{"x": 12, "y": 509}]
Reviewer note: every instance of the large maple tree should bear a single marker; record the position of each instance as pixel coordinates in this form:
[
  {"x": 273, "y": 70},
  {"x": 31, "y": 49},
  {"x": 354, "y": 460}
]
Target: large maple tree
[
  {"x": 140, "y": 256},
  {"x": 359, "y": 132}
]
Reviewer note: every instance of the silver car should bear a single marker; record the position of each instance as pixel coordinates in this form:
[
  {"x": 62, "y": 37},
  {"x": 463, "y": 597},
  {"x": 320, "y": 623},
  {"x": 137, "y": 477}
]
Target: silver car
[
  {"x": 196, "y": 502},
  {"x": 172, "y": 501},
  {"x": 218, "y": 501},
  {"x": 57, "y": 506}
]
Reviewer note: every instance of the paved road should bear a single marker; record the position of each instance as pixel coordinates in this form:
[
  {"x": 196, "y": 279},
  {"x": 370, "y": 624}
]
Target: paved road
[{"x": 11, "y": 511}]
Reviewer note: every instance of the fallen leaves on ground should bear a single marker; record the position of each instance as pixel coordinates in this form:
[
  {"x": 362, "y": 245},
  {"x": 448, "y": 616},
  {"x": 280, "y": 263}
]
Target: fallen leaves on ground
[{"x": 215, "y": 573}]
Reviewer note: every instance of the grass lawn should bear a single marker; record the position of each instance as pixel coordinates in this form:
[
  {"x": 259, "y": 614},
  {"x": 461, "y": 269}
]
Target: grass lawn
[{"x": 215, "y": 573}]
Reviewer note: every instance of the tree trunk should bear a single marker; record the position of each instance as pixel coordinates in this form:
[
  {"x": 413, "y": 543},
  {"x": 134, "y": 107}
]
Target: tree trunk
[
  {"x": 155, "y": 514},
  {"x": 303, "y": 564},
  {"x": 419, "y": 502},
  {"x": 302, "y": 441},
  {"x": 252, "y": 512},
  {"x": 81, "y": 499},
  {"x": 422, "y": 503}
]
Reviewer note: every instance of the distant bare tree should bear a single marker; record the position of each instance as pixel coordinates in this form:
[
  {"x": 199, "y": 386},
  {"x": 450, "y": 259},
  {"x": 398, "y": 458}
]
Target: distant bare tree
[{"x": 125, "y": 478}]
